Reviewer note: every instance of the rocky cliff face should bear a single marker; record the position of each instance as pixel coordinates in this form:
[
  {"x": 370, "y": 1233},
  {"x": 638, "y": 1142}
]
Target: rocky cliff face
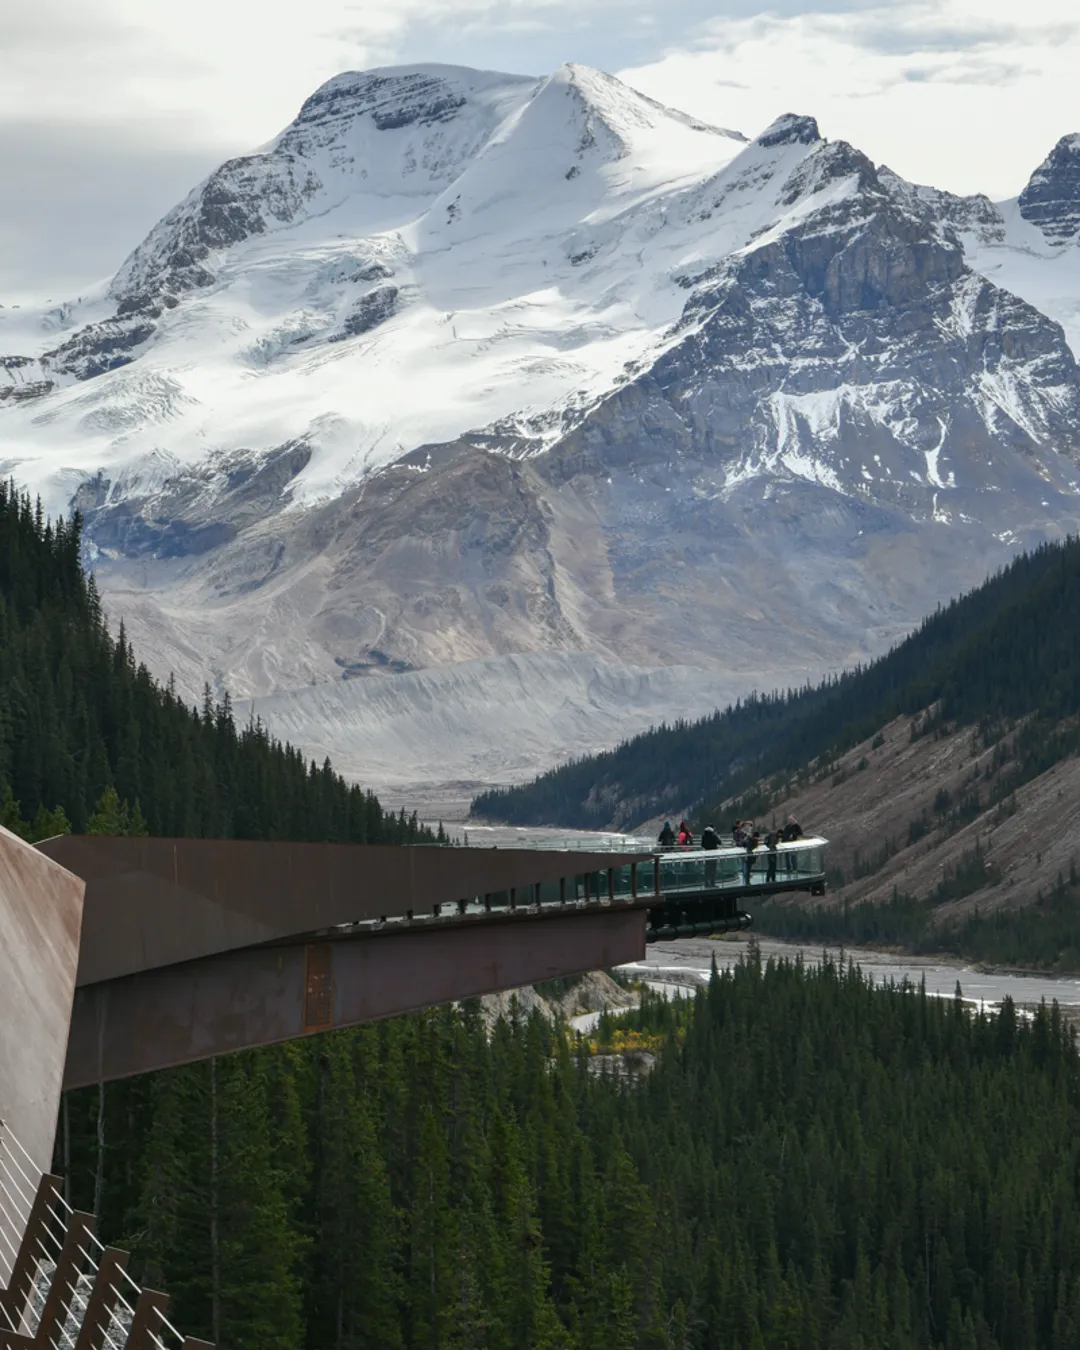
[
  {"x": 1051, "y": 199},
  {"x": 465, "y": 364}
]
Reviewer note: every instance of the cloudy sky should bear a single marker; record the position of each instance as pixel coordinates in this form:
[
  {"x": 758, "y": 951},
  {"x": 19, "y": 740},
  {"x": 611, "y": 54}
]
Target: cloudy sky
[{"x": 110, "y": 110}]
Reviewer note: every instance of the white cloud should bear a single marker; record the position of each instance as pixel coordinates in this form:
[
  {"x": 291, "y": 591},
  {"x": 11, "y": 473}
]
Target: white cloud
[
  {"x": 236, "y": 71},
  {"x": 111, "y": 109},
  {"x": 966, "y": 95}
]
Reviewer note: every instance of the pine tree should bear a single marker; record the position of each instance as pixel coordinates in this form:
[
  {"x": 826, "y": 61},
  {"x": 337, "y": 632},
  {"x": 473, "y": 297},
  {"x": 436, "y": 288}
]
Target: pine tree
[
  {"x": 259, "y": 1294},
  {"x": 358, "y": 1286}
]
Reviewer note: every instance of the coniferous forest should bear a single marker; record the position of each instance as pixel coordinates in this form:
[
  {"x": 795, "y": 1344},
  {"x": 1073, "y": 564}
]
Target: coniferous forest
[
  {"x": 812, "y": 1162},
  {"x": 809, "y": 1161}
]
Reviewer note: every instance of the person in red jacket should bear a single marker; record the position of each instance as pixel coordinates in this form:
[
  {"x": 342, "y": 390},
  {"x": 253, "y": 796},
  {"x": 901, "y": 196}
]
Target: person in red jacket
[{"x": 686, "y": 837}]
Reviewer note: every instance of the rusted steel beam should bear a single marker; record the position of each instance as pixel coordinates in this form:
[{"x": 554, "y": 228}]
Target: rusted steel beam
[
  {"x": 150, "y": 1307},
  {"x": 103, "y": 1298},
  {"x": 264, "y": 995},
  {"x": 157, "y": 902},
  {"x": 14, "y": 1299},
  {"x": 61, "y": 1294}
]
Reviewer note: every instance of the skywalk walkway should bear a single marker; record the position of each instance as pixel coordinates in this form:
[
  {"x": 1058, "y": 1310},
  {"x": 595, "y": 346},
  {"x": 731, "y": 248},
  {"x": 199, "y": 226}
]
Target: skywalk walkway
[{"x": 197, "y": 947}]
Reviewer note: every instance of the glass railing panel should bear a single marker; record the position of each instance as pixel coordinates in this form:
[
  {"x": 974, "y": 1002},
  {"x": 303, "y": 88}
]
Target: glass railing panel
[
  {"x": 728, "y": 870},
  {"x": 622, "y": 882},
  {"x": 550, "y": 893}
]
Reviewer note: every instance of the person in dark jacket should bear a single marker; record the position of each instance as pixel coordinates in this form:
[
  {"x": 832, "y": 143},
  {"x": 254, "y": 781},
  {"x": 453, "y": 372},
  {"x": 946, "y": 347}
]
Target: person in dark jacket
[
  {"x": 791, "y": 831},
  {"x": 771, "y": 841},
  {"x": 667, "y": 836},
  {"x": 752, "y": 841},
  {"x": 710, "y": 841}
]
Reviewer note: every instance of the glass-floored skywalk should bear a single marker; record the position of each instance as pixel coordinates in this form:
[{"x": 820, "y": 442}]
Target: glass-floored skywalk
[{"x": 687, "y": 891}]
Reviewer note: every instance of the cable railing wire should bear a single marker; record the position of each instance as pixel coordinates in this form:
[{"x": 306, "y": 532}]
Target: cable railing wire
[
  {"x": 11, "y": 1245},
  {"x": 121, "y": 1299},
  {"x": 169, "y": 1326},
  {"x": 5, "y": 1135},
  {"x": 18, "y": 1189},
  {"x": 124, "y": 1291}
]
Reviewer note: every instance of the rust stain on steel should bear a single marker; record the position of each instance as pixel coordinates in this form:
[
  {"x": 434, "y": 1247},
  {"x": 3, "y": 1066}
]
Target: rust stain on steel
[
  {"x": 319, "y": 987},
  {"x": 259, "y": 996},
  {"x": 156, "y": 902},
  {"x": 41, "y": 908}
]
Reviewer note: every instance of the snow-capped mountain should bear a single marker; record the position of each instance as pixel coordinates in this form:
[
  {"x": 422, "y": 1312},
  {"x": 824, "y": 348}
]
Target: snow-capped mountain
[{"x": 465, "y": 364}]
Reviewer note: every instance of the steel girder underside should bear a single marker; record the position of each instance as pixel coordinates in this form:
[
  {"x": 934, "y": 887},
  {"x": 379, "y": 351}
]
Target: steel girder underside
[{"x": 194, "y": 947}]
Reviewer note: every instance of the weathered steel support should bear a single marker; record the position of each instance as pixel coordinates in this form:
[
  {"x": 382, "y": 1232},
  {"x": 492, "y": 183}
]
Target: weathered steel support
[
  {"x": 41, "y": 911},
  {"x": 264, "y": 995},
  {"x": 14, "y": 1299},
  {"x": 72, "y": 1258},
  {"x": 102, "y": 1300},
  {"x": 150, "y": 1307}
]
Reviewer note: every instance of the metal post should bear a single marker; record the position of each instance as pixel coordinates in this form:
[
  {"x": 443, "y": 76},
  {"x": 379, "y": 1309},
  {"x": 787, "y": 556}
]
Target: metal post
[
  {"x": 611, "y": 884},
  {"x": 150, "y": 1304},
  {"x": 14, "y": 1298},
  {"x": 633, "y": 881},
  {"x": 656, "y": 875},
  {"x": 562, "y": 890},
  {"x": 96, "y": 1319},
  {"x": 62, "y": 1289}
]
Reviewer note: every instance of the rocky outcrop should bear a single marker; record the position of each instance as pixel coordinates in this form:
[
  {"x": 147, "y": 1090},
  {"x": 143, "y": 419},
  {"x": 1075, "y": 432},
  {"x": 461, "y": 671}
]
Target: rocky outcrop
[
  {"x": 1051, "y": 199},
  {"x": 593, "y": 993},
  {"x": 191, "y": 513},
  {"x": 371, "y": 310},
  {"x": 859, "y": 350}
]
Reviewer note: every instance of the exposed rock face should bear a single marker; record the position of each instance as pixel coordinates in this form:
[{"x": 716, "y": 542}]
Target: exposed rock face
[
  {"x": 371, "y": 310},
  {"x": 1051, "y": 199},
  {"x": 245, "y": 489},
  {"x": 464, "y": 365}
]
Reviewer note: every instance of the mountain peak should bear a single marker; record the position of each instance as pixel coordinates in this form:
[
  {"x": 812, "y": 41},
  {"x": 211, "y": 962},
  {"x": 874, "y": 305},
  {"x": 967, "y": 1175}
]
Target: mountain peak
[
  {"x": 1051, "y": 199},
  {"x": 401, "y": 96},
  {"x": 790, "y": 129}
]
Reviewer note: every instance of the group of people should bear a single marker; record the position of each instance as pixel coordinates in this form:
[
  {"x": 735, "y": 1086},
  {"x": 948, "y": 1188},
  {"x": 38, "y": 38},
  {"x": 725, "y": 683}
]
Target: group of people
[
  {"x": 684, "y": 839},
  {"x": 744, "y": 835}
]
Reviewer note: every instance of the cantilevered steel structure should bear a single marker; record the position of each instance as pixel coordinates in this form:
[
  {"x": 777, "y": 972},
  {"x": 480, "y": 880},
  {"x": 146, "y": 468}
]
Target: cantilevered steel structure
[{"x": 119, "y": 956}]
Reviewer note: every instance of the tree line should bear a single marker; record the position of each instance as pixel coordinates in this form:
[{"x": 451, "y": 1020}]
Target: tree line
[
  {"x": 1004, "y": 652},
  {"x": 1044, "y": 935}
]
